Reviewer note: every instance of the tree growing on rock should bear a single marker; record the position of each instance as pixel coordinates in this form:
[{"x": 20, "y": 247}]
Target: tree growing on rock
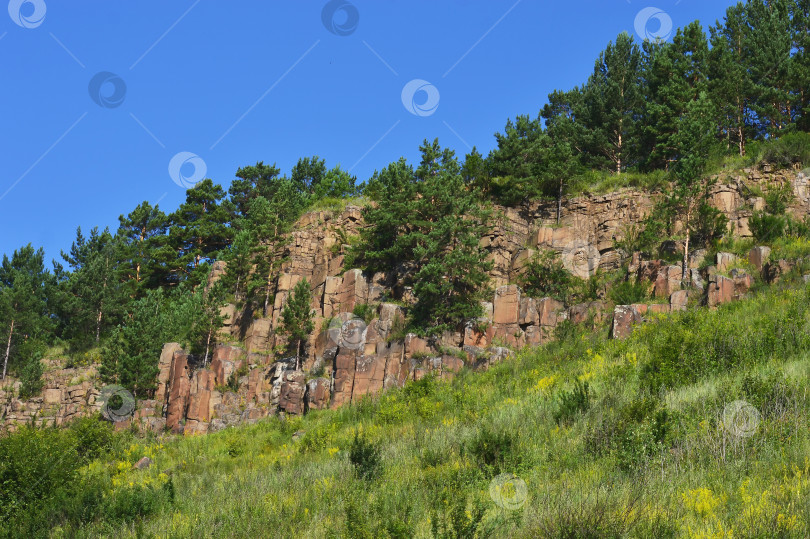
[
  {"x": 296, "y": 318},
  {"x": 426, "y": 223}
]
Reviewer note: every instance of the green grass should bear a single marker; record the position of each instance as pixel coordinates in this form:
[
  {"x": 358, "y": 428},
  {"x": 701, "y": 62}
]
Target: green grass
[{"x": 645, "y": 453}]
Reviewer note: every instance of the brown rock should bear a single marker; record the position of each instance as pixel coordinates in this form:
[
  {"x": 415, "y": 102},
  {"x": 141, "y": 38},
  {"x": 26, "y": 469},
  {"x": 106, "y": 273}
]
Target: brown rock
[
  {"x": 291, "y": 399},
  {"x": 507, "y": 305},
  {"x": 624, "y": 318},
  {"x": 758, "y": 257},
  {"x": 179, "y": 390},
  {"x": 317, "y": 394},
  {"x": 142, "y": 464}
]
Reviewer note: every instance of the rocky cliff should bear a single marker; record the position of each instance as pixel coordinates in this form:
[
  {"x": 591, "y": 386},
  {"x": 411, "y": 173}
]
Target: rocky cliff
[{"x": 348, "y": 358}]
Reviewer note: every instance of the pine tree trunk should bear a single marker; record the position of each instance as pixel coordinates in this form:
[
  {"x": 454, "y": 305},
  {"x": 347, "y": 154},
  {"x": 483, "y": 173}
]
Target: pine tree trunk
[
  {"x": 207, "y": 346},
  {"x": 297, "y": 354},
  {"x": 8, "y": 349},
  {"x": 559, "y": 201},
  {"x": 98, "y": 326},
  {"x": 686, "y": 250},
  {"x": 267, "y": 292}
]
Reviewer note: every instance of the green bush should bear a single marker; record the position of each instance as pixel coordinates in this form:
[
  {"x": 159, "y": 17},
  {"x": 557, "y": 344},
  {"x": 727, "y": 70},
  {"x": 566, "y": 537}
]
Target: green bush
[
  {"x": 545, "y": 276},
  {"x": 572, "y": 403},
  {"x": 788, "y": 150},
  {"x": 766, "y": 228},
  {"x": 495, "y": 451},
  {"x": 92, "y": 436},
  {"x": 629, "y": 292},
  {"x": 130, "y": 503},
  {"x": 365, "y": 311},
  {"x": 38, "y": 469},
  {"x": 699, "y": 343},
  {"x": 365, "y": 457}
]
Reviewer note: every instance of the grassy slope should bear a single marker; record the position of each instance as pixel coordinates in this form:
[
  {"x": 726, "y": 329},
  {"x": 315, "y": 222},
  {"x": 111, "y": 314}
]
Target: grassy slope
[{"x": 639, "y": 462}]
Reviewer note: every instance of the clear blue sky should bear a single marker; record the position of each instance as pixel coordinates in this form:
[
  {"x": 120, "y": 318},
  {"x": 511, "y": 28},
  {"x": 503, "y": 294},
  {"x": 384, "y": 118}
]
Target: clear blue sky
[{"x": 236, "y": 81}]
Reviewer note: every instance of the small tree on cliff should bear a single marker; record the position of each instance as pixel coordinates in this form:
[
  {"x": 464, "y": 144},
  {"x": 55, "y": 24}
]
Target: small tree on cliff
[{"x": 296, "y": 318}]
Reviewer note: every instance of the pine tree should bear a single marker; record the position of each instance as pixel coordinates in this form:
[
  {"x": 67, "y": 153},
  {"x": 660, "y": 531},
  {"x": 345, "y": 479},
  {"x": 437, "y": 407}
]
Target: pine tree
[
  {"x": 613, "y": 102},
  {"x": 95, "y": 298},
  {"x": 676, "y": 74},
  {"x": 693, "y": 142},
  {"x": 24, "y": 312},
  {"x": 130, "y": 356},
  {"x": 144, "y": 248},
  {"x": 199, "y": 229},
  {"x": 308, "y": 173},
  {"x": 767, "y": 48},
  {"x": 383, "y": 244},
  {"x": 296, "y": 318},
  {"x": 515, "y": 163},
  {"x": 452, "y": 275},
  {"x": 729, "y": 79},
  {"x": 252, "y": 182}
]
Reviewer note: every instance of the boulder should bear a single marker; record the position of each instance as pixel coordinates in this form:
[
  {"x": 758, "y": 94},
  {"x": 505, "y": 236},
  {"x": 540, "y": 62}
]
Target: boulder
[
  {"x": 725, "y": 261},
  {"x": 317, "y": 394},
  {"x": 624, "y": 318},
  {"x": 178, "y": 392},
  {"x": 696, "y": 258},
  {"x": 507, "y": 305},
  {"x": 758, "y": 257},
  {"x": 679, "y": 300},
  {"x": 291, "y": 399}
]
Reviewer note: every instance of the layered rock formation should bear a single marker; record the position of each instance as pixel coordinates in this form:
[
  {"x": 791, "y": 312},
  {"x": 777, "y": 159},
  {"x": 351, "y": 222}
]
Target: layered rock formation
[{"x": 348, "y": 358}]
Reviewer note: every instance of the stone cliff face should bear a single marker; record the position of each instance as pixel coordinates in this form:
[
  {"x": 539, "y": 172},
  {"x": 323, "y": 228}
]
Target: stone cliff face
[{"x": 348, "y": 358}]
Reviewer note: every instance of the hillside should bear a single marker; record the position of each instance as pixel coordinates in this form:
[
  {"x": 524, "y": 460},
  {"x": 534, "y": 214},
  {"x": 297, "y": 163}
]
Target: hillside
[
  {"x": 589, "y": 444},
  {"x": 599, "y": 329}
]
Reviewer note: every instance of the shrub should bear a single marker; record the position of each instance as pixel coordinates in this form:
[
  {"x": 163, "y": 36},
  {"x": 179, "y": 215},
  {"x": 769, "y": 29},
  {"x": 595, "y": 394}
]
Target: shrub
[
  {"x": 572, "y": 403},
  {"x": 788, "y": 150},
  {"x": 92, "y": 437},
  {"x": 494, "y": 450},
  {"x": 629, "y": 292},
  {"x": 777, "y": 199},
  {"x": 365, "y": 457},
  {"x": 133, "y": 502},
  {"x": 546, "y": 276},
  {"x": 766, "y": 228},
  {"x": 38, "y": 467},
  {"x": 365, "y": 311}
]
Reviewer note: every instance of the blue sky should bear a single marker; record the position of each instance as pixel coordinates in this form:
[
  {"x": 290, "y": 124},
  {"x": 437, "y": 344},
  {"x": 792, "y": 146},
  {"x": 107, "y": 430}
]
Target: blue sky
[{"x": 98, "y": 97}]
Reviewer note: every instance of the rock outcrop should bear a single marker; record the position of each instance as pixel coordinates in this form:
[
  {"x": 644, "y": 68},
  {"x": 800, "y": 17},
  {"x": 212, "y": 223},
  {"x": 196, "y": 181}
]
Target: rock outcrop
[{"x": 347, "y": 358}]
